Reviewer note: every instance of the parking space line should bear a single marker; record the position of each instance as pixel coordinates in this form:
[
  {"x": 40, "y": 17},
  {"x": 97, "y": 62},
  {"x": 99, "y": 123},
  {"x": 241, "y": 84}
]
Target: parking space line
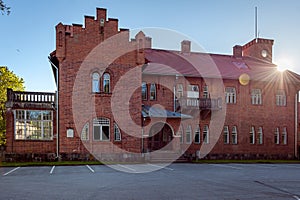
[
  {"x": 90, "y": 168},
  {"x": 11, "y": 171},
  {"x": 225, "y": 166},
  {"x": 131, "y": 169},
  {"x": 296, "y": 197},
  {"x": 168, "y": 168},
  {"x": 52, "y": 169}
]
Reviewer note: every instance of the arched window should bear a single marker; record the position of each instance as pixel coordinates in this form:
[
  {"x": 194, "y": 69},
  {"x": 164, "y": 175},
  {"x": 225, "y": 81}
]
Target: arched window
[
  {"x": 144, "y": 91},
  {"x": 234, "y": 135},
  {"x": 188, "y": 134},
  {"x": 117, "y": 133},
  {"x": 85, "y": 132},
  {"x": 152, "y": 91},
  {"x": 95, "y": 82},
  {"x": 106, "y": 83},
  {"x": 206, "y": 134},
  {"x": 197, "y": 135},
  {"x": 260, "y": 135}
]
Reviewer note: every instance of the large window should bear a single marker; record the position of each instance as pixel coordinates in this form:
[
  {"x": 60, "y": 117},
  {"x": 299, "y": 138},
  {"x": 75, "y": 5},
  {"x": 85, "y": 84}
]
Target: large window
[
  {"x": 152, "y": 91},
  {"x": 276, "y": 136},
  {"x": 101, "y": 129},
  {"x": 188, "y": 134},
  {"x": 226, "y": 134},
  {"x": 284, "y": 136},
  {"x": 206, "y": 134},
  {"x": 180, "y": 133},
  {"x": 33, "y": 125},
  {"x": 144, "y": 91},
  {"x": 179, "y": 91},
  {"x": 85, "y": 132},
  {"x": 230, "y": 95},
  {"x": 234, "y": 135},
  {"x": 197, "y": 135},
  {"x": 117, "y": 133},
  {"x": 256, "y": 98},
  {"x": 192, "y": 95},
  {"x": 95, "y": 82},
  {"x": 280, "y": 98},
  {"x": 106, "y": 83},
  {"x": 260, "y": 135},
  {"x": 252, "y": 135}
]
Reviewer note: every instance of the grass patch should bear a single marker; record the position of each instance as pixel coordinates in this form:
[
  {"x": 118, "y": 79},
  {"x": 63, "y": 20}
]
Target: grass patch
[{"x": 248, "y": 161}]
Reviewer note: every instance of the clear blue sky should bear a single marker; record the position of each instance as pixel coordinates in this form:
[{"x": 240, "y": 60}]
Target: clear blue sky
[{"x": 28, "y": 33}]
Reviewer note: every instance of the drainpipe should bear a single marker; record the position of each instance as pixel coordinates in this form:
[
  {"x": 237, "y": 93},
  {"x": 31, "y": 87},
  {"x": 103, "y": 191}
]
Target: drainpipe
[
  {"x": 174, "y": 94},
  {"x": 57, "y": 110}
]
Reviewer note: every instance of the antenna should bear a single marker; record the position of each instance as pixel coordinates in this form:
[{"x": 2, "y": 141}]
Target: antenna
[{"x": 256, "y": 34}]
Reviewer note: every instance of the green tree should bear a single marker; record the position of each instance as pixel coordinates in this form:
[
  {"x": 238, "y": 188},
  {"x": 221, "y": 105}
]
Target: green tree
[
  {"x": 4, "y": 8},
  {"x": 7, "y": 80}
]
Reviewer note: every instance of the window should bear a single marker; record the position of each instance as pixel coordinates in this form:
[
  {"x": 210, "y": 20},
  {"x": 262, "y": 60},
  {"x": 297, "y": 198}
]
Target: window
[
  {"x": 106, "y": 83},
  {"x": 276, "y": 136},
  {"x": 95, "y": 82},
  {"x": 180, "y": 133},
  {"x": 226, "y": 134},
  {"x": 33, "y": 125},
  {"x": 284, "y": 136},
  {"x": 205, "y": 134},
  {"x": 85, "y": 132},
  {"x": 188, "y": 134},
  {"x": 205, "y": 92},
  {"x": 230, "y": 95},
  {"x": 192, "y": 95},
  {"x": 152, "y": 91},
  {"x": 234, "y": 135},
  {"x": 101, "y": 129},
  {"x": 260, "y": 135},
  {"x": 197, "y": 135},
  {"x": 144, "y": 91},
  {"x": 179, "y": 91},
  {"x": 280, "y": 98},
  {"x": 117, "y": 133},
  {"x": 256, "y": 97},
  {"x": 252, "y": 135}
]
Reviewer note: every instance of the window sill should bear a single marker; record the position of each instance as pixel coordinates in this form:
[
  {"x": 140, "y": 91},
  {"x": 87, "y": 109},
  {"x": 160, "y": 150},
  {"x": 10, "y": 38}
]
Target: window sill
[
  {"x": 101, "y": 94},
  {"x": 33, "y": 140}
]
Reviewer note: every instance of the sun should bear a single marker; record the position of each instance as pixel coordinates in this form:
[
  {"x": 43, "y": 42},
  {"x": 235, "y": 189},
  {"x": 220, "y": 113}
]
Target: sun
[
  {"x": 282, "y": 68},
  {"x": 284, "y": 63}
]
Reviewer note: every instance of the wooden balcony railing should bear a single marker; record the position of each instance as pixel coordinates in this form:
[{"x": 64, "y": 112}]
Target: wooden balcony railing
[
  {"x": 201, "y": 103},
  {"x": 30, "y": 97}
]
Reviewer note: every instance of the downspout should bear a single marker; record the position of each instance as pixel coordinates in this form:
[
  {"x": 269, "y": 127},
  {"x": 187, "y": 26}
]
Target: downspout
[
  {"x": 57, "y": 108},
  {"x": 296, "y": 126}
]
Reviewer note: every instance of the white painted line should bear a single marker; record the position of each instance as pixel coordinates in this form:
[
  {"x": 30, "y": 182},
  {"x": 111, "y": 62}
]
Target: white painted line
[
  {"x": 131, "y": 169},
  {"x": 162, "y": 167},
  {"x": 52, "y": 169},
  {"x": 90, "y": 168},
  {"x": 11, "y": 171},
  {"x": 296, "y": 197},
  {"x": 225, "y": 166}
]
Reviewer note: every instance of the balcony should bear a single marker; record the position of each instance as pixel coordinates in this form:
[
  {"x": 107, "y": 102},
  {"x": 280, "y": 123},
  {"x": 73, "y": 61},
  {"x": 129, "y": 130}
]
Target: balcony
[{"x": 199, "y": 103}]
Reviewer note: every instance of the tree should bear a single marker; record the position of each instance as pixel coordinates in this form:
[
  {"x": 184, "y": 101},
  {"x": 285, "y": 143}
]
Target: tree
[
  {"x": 4, "y": 8},
  {"x": 7, "y": 80}
]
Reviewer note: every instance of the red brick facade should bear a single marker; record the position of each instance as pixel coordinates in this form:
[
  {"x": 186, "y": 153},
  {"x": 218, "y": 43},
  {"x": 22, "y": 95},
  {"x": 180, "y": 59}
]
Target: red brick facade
[{"x": 99, "y": 47}]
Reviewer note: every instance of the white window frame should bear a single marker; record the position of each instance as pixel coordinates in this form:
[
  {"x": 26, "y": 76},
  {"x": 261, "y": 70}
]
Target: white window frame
[
  {"x": 260, "y": 134},
  {"x": 226, "y": 134},
  {"x": 230, "y": 95},
  {"x": 153, "y": 94},
  {"x": 234, "y": 135},
  {"x": 117, "y": 133},
  {"x": 256, "y": 96},
  {"x": 205, "y": 92},
  {"x": 101, "y": 122},
  {"x": 144, "y": 91},
  {"x": 197, "y": 132},
  {"x": 284, "y": 135},
  {"x": 95, "y": 82},
  {"x": 252, "y": 135},
  {"x": 106, "y": 81},
  {"x": 179, "y": 90},
  {"x": 85, "y": 132},
  {"x": 180, "y": 132},
  {"x": 205, "y": 134},
  {"x": 276, "y": 136},
  {"x": 188, "y": 134},
  {"x": 280, "y": 98}
]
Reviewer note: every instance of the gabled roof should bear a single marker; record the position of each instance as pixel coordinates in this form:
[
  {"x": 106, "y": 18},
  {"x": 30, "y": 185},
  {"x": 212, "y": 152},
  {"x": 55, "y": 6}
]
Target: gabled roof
[{"x": 166, "y": 62}]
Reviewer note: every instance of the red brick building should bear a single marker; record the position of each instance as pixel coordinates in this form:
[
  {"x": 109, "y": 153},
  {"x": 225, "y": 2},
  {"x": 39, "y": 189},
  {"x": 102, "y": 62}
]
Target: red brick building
[{"x": 120, "y": 99}]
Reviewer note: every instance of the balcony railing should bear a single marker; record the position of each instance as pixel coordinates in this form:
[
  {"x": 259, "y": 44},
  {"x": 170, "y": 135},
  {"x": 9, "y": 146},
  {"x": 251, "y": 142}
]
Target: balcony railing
[
  {"x": 30, "y": 97},
  {"x": 199, "y": 103}
]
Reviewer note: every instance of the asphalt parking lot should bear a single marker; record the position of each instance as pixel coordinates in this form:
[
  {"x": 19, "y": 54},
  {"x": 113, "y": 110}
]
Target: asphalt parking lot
[{"x": 175, "y": 181}]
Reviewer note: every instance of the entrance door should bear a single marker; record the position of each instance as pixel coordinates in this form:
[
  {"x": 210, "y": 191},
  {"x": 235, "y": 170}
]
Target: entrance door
[{"x": 161, "y": 135}]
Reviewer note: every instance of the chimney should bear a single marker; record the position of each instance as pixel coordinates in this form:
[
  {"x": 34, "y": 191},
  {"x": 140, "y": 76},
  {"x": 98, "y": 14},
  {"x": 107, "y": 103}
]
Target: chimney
[
  {"x": 186, "y": 46},
  {"x": 237, "y": 51}
]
